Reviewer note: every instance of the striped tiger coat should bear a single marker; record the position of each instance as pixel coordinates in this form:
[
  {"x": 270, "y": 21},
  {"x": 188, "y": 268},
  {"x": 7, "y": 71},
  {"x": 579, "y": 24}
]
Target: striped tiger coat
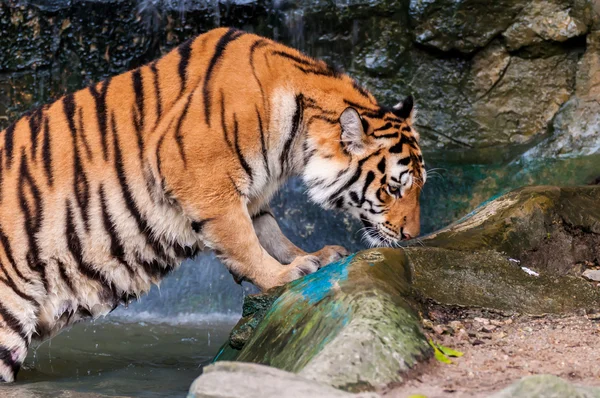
[{"x": 107, "y": 190}]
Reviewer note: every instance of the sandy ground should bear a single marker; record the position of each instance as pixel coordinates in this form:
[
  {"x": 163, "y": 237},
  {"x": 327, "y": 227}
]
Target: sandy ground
[{"x": 500, "y": 350}]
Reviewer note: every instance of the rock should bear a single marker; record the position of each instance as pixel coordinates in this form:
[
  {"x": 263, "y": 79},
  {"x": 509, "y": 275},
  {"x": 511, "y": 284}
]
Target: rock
[
  {"x": 244, "y": 380},
  {"x": 488, "y": 328},
  {"x": 523, "y": 101},
  {"x": 549, "y": 20},
  {"x": 576, "y": 126},
  {"x": 468, "y": 263},
  {"x": 463, "y": 25},
  {"x": 350, "y": 325},
  {"x": 353, "y": 325},
  {"x": 546, "y": 386},
  {"x": 592, "y": 274}
]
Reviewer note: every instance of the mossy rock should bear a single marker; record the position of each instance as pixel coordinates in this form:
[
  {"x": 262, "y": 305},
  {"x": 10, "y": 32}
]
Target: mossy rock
[
  {"x": 353, "y": 324},
  {"x": 348, "y": 325}
]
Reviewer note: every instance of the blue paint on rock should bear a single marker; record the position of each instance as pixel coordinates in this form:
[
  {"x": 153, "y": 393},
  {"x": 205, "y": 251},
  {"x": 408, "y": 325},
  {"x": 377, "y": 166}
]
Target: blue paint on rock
[{"x": 317, "y": 286}]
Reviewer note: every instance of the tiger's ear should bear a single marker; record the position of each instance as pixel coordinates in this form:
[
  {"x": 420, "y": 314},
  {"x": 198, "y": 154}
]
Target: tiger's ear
[
  {"x": 404, "y": 109},
  {"x": 352, "y": 131}
]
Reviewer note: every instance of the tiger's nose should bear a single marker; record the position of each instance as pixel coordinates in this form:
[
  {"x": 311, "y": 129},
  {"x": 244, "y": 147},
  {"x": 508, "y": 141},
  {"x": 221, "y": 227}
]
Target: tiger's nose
[{"x": 406, "y": 236}]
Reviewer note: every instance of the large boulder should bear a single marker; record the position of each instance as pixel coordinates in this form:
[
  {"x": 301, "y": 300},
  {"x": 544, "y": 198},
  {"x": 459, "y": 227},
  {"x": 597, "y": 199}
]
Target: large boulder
[
  {"x": 353, "y": 325},
  {"x": 349, "y": 325}
]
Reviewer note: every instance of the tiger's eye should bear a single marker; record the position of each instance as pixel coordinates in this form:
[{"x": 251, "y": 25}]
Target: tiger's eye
[{"x": 393, "y": 190}]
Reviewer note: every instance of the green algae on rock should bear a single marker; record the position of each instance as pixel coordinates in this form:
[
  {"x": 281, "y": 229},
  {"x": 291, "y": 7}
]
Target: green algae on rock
[{"x": 319, "y": 325}]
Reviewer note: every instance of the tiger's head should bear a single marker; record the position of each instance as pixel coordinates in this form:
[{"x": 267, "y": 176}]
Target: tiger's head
[{"x": 378, "y": 174}]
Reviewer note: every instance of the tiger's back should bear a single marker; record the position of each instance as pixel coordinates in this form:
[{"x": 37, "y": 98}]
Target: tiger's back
[{"x": 107, "y": 190}]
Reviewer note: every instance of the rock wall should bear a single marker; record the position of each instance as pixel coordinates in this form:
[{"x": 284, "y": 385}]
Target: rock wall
[{"x": 505, "y": 89}]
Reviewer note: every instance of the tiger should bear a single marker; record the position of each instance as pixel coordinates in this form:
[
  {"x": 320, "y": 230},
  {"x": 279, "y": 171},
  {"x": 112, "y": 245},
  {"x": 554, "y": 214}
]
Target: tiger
[{"x": 107, "y": 190}]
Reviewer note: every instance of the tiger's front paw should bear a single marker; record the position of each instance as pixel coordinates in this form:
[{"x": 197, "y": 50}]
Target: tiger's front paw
[
  {"x": 301, "y": 266},
  {"x": 330, "y": 254}
]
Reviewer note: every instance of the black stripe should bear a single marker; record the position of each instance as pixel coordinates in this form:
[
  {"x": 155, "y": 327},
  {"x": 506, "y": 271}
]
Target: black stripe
[
  {"x": 362, "y": 91},
  {"x": 224, "y": 122},
  {"x": 302, "y": 61},
  {"x": 397, "y": 148},
  {"x": 384, "y": 127},
  {"x": 63, "y": 274},
  {"x": 76, "y": 249},
  {"x": 399, "y": 177},
  {"x": 404, "y": 161},
  {"x": 381, "y": 165},
  {"x": 333, "y": 198},
  {"x": 391, "y": 135},
  {"x": 263, "y": 213},
  {"x": 178, "y": 135},
  {"x": 238, "y": 150},
  {"x": 318, "y": 72},
  {"x": 9, "y": 134},
  {"x": 154, "y": 268},
  {"x": 138, "y": 114},
  {"x": 378, "y": 195},
  {"x": 197, "y": 226},
  {"x": 222, "y": 44},
  {"x": 47, "y": 153},
  {"x": 142, "y": 224},
  {"x": 369, "y": 112},
  {"x": 9, "y": 282},
  {"x": 185, "y": 52},
  {"x": 81, "y": 132},
  {"x": 101, "y": 113},
  {"x": 309, "y": 66},
  {"x": 35, "y": 121},
  {"x": 240, "y": 193},
  {"x": 313, "y": 118},
  {"x": 154, "y": 70},
  {"x": 263, "y": 144},
  {"x": 255, "y": 46},
  {"x": 6, "y": 357},
  {"x": 117, "y": 250},
  {"x": 13, "y": 323},
  {"x": 4, "y": 240},
  {"x": 32, "y": 217},
  {"x": 296, "y": 120},
  {"x": 81, "y": 185},
  {"x": 370, "y": 178}
]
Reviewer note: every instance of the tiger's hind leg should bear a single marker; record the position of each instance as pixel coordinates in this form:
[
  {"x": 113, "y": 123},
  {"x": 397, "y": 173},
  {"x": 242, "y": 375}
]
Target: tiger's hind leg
[
  {"x": 279, "y": 246},
  {"x": 13, "y": 350}
]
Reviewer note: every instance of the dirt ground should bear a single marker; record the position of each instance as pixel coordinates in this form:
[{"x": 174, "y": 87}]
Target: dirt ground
[{"x": 500, "y": 350}]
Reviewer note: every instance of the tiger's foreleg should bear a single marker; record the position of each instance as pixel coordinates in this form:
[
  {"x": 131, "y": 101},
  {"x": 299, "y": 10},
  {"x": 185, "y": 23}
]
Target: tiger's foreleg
[
  {"x": 279, "y": 246},
  {"x": 231, "y": 234}
]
